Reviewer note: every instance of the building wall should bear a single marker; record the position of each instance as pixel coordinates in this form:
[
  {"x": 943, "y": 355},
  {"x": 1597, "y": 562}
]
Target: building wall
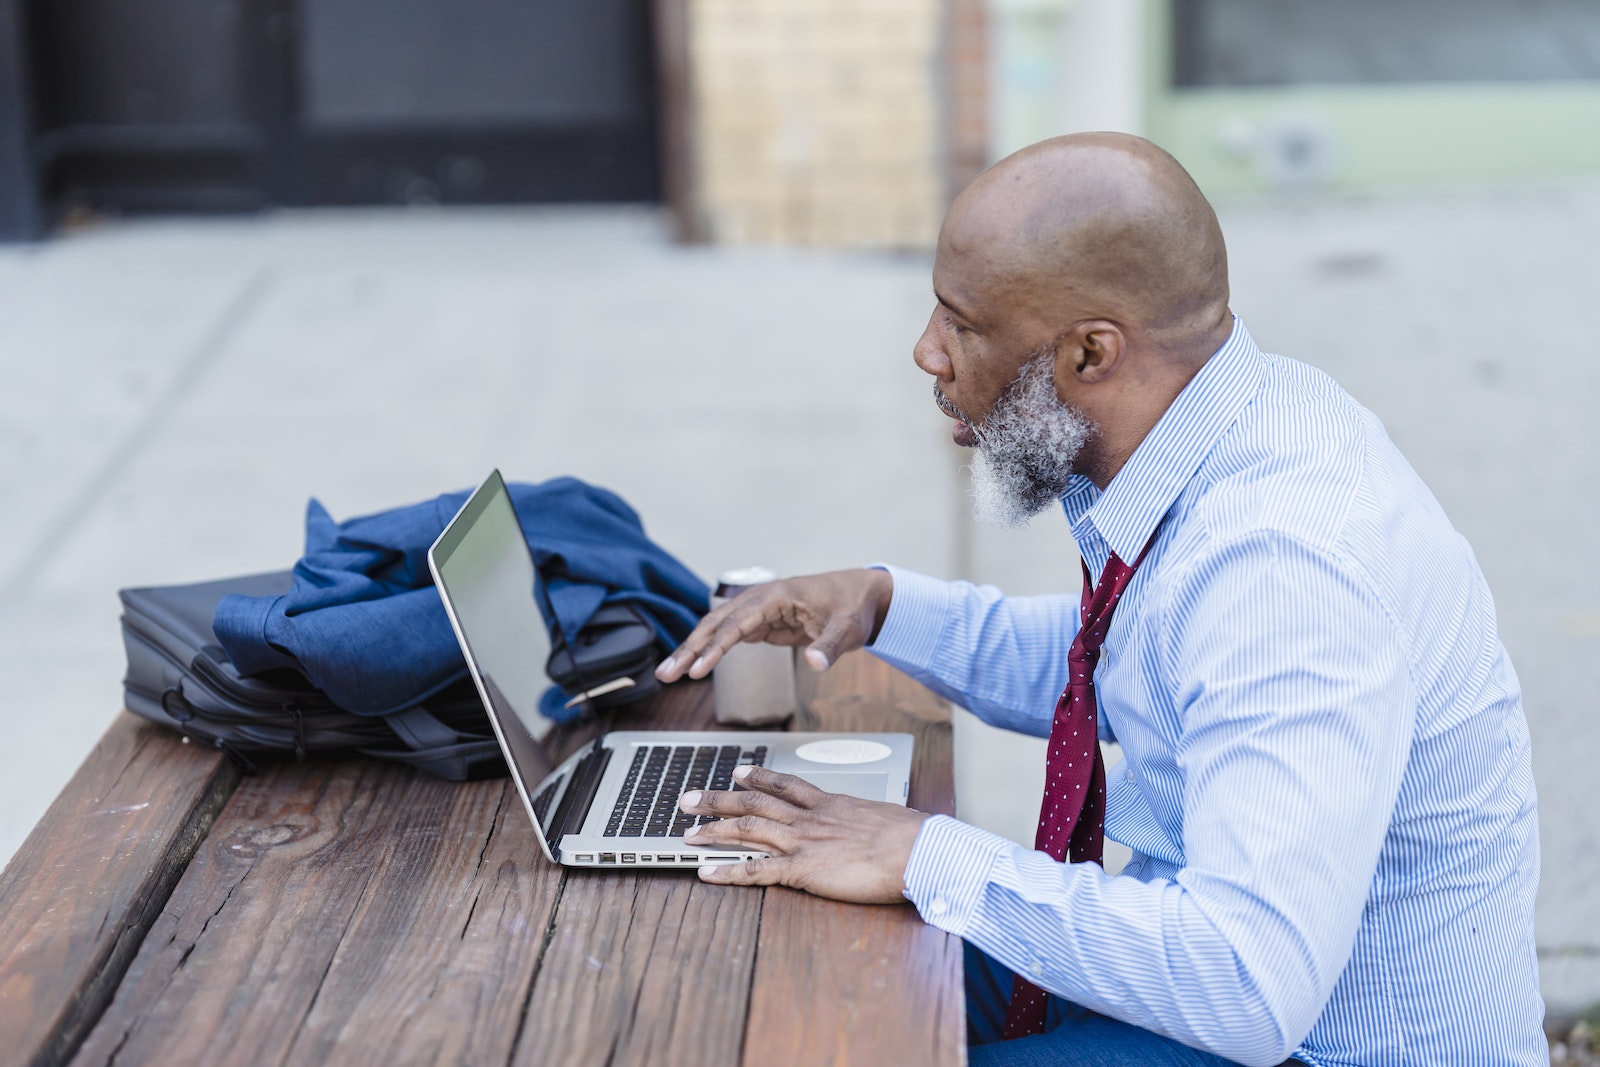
[
  {"x": 966, "y": 94},
  {"x": 1384, "y": 97},
  {"x": 818, "y": 122}
]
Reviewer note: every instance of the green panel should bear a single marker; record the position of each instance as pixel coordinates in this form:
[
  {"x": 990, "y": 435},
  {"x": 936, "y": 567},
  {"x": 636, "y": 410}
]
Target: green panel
[{"x": 1364, "y": 137}]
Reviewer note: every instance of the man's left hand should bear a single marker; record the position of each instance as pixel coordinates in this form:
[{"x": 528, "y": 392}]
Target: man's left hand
[{"x": 825, "y": 843}]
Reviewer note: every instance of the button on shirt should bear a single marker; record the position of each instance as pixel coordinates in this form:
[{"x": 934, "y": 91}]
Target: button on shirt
[{"x": 1327, "y": 782}]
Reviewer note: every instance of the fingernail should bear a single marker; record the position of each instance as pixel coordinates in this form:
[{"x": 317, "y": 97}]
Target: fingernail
[
  {"x": 691, "y": 798},
  {"x": 666, "y": 665},
  {"x": 693, "y": 831},
  {"x": 742, "y": 772},
  {"x": 706, "y": 870},
  {"x": 699, "y": 664},
  {"x": 818, "y": 660}
]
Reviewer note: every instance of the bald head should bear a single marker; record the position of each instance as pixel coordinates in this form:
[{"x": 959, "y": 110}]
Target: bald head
[
  {"x": 1089, "y": 266},
  {"x": 1098, "y": 225}
]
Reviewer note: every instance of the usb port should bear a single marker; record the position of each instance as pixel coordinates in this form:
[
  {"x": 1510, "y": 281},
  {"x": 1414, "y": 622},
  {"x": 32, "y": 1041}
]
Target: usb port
[
  {"x": 586, "y": 857},
  {"x": 691, "y": 858}
]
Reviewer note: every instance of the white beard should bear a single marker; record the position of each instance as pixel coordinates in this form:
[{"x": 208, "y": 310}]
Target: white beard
[{"x": 1026, "y": 448}]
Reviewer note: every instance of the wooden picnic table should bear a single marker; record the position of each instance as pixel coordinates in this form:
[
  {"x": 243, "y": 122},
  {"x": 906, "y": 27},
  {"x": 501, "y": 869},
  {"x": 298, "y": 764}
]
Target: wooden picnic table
[{"x": 168, "y": 910}]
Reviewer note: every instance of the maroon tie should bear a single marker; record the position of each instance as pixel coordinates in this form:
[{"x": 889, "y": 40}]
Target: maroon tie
[{"x": 1072, "y": 819}]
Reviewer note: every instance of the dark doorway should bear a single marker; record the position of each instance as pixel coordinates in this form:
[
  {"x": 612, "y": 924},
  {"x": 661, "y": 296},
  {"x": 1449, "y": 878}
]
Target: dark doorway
[{"x": 226, "y": 105}]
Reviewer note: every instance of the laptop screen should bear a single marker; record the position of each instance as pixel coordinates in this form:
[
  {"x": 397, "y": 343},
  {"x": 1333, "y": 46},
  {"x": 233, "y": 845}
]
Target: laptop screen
[{"x": 485, "y": 574}]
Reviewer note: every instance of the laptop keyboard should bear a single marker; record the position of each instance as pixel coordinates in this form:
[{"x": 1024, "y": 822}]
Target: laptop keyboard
[{"x": 660, "y": 774}]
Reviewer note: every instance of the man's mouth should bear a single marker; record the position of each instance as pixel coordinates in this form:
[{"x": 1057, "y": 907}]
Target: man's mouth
[{"x": 962, "y": 433}]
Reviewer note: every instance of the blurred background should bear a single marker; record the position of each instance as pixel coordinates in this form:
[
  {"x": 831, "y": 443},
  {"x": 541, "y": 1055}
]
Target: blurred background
[{"x": 259, "y": 250}]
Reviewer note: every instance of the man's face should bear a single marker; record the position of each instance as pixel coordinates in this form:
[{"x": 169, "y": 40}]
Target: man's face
[
  {"x": 972, "y": 345},
  {"x": 993, "y": 363}
]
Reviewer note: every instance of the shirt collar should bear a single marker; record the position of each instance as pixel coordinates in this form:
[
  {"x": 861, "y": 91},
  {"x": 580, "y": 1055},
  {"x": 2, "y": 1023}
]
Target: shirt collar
[{"x": 1126, "y": 513}]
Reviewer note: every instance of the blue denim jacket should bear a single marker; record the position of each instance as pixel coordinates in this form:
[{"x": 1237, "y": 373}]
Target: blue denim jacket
[{"x": 365, "y": 624}]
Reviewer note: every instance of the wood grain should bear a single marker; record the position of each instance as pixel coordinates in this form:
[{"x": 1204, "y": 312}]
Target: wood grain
[
  {"x": 854, "y": 984},
  {"x": 79, "y": 896},
  {"x": 354, "y": 912},
  {"x": 358, "y": 912},
  {"x": 644, "y": 969},
  {"x": 862, "y": 678}
]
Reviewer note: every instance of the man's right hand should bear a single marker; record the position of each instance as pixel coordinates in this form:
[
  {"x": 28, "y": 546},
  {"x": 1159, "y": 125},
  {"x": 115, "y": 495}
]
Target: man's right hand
[{"x": 830, "y": 614}]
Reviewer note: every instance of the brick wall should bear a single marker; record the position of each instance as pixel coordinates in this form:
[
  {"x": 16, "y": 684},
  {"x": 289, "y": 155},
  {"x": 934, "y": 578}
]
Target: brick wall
[{"x": 833, "y": 122}]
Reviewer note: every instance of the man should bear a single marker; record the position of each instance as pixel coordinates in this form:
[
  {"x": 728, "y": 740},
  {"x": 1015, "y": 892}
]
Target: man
[{"x": 1326, "y": 783}]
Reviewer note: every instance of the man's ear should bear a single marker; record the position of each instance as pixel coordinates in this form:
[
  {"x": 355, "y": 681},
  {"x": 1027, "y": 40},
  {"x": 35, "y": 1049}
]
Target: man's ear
[{"x": 1091, "y": 352}]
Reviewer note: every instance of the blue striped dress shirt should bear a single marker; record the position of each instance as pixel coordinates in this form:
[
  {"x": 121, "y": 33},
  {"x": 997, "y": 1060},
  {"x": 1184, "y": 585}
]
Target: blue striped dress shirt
[{"x": 1326, "y": 785}]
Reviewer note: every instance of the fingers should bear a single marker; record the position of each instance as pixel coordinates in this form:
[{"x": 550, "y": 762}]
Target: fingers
[
  {"x": 841, "y": 634},
  {"x": 787, "y": 787},
  {"x": 767, "y": 871},
  {"x": 744, "y": 820},
  {"x": 856, "y": 616},
  {"x": 751, "y": 617},
  {"x": 702, "y": 649},
  {"x": 835, "y": 612},
  {"x": 747, "y": 832},
  {"x": 760, "y": 817},
  {"x": 779, "y": 797}
]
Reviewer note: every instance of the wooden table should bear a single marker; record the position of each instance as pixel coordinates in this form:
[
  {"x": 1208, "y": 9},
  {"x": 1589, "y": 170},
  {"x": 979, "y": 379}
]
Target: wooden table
[{"x": 169, "y": 911}]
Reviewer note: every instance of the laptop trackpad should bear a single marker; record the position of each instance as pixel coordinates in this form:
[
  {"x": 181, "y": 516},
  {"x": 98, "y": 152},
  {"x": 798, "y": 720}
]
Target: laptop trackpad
[{"x": 865, "y": 786}]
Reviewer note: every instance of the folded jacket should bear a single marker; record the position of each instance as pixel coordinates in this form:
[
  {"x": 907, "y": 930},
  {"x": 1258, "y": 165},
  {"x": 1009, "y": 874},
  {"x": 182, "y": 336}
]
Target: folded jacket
[{"x": 365, "y": 625}]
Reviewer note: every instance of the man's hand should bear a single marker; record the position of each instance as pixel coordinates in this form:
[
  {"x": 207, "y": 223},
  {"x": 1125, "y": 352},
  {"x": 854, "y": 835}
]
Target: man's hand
[
  {"x": 831, "y": 845},
  {"x": 831, "y": 614}
]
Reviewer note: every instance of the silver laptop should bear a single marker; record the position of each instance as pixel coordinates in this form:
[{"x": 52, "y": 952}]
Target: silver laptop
[{"x": 613, "y": 803}]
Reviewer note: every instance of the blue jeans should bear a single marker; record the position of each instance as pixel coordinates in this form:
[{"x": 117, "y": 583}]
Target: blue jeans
[{"x": 1073, "y": 1034}]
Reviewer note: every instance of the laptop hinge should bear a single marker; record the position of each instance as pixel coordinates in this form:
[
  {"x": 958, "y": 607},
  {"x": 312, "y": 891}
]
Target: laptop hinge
[{"x": 580, "y": 793}]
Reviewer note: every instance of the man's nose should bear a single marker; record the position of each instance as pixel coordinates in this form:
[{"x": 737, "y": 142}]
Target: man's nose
[{"x": 929, "y": 352}]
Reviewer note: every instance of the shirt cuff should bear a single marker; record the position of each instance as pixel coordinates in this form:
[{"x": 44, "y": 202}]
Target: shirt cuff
[
  {"x": 918, "y": 612},
  {"x": 949, "y": 867}
]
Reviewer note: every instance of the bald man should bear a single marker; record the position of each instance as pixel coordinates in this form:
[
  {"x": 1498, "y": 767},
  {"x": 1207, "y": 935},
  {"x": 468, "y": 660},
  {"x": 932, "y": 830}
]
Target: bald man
[{"x": 1326, "y": 780}]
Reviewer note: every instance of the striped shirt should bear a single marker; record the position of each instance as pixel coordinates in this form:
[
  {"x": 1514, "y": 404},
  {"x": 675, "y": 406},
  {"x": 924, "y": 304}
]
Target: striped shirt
[{"x": 1326, "y": 785}]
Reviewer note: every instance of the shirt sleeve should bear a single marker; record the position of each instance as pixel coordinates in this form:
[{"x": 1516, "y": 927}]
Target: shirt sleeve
[
  {"x": 1002, "y": 658},
  {"x": 1297, "y": 708}
]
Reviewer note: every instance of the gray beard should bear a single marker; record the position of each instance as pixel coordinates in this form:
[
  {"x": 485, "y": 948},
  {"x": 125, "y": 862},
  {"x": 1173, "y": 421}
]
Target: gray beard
[{"x": 1027, "y": 448}]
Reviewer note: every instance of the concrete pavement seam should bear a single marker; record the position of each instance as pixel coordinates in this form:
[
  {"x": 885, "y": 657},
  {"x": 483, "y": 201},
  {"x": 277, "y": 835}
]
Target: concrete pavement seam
[{"x": 189, "y": 370}]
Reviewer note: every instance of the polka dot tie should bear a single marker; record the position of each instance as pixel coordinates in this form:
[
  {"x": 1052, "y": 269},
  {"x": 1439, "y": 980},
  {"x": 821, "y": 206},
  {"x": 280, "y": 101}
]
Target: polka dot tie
[{"x": 1072, "y": 819}]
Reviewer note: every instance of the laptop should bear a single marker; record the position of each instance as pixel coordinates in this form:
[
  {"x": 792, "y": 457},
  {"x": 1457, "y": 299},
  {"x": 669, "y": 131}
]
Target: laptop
[{"x": 614, "y": 802}]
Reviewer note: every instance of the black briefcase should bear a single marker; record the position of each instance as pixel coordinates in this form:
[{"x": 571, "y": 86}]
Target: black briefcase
[{"x": 180, "y": 676}]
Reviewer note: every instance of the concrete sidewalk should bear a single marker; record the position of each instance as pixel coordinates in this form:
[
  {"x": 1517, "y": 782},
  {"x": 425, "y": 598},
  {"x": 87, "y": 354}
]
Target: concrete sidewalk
[{"x": 175, "y": 390}]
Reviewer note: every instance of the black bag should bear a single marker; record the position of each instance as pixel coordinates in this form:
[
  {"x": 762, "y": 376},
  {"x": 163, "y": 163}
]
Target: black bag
[
  {"x": 179, "y": 676},
  {"x": 612, "y": 662}
]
